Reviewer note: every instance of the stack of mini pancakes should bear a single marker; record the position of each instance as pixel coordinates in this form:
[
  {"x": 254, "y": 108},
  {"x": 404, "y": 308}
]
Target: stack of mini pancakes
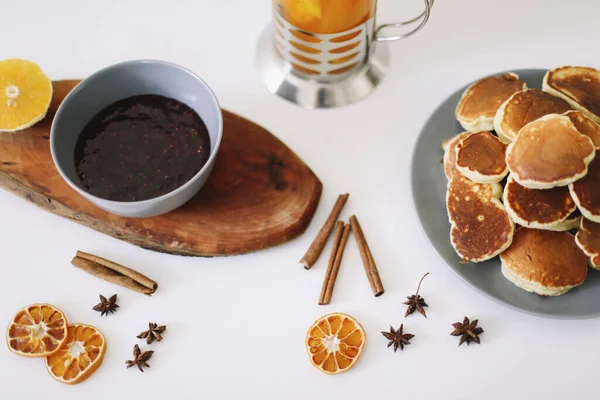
[{"x": 524, "y": 179}]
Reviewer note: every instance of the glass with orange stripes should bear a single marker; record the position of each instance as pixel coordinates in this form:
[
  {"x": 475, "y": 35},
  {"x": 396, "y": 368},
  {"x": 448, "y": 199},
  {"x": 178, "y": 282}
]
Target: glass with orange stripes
[{"x": 328, "y": 38}]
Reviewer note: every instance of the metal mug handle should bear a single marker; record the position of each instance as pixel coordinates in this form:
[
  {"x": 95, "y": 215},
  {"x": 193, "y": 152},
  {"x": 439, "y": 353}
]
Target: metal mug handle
[{"x": 423, "y": 17}]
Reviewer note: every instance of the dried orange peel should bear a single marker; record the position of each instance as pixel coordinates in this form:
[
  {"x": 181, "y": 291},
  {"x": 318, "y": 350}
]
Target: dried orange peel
[
  {"x": 37, "y": 330},
  {"x": 25, "y": 94},
  {"x": 335, "y": 342},
  {"x": 80, "y": 356}
]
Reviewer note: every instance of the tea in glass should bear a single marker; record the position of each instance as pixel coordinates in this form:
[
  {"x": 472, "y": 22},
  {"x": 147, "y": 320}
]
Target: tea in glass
[{"x": 325, "y": 16}]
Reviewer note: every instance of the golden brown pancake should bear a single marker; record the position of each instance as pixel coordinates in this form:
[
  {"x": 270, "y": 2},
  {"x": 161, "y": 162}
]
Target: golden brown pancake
[
  {"x": 524, "y": 107},
  {"x": 481, "y": 158},
  {"x": 480, "y": 226},
  {"x": 449, "y": 147},
  {"x": 571, "y": 223},
  {"x": 541, "y": 209},
  {"x": 588, "y": 239},
  {"x": 544, "y": 262},
  {"x": 585, "y": 125},
  {"x": 549, "y": 152},
  {"x": 480, "y": 102},
  {"x": 579, "y": 86},
  {"x": 586, "y": 192}
]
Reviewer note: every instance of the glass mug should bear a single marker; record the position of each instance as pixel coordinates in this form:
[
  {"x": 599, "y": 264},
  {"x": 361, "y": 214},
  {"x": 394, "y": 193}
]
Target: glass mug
[{"x": 325, "y": 39}]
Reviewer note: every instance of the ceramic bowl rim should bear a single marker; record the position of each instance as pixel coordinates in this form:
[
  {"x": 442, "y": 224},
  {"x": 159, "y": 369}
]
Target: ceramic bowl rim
[{"x": 75, "y": 91}]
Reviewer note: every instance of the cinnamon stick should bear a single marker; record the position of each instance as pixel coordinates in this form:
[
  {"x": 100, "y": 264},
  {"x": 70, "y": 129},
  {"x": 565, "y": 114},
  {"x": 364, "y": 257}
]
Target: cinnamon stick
[
  {"x": 316, "y": 248},
  {"x": 336, "y": 266},
  {"x": 367, "y": 258},
  {"x": 114, "y": 273},
  {"x": 339, "y": 229}
]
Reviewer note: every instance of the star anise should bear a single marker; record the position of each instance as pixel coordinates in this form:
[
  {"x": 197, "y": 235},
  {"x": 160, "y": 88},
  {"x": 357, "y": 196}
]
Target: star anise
[
  {"x": 397, "y": 337},
  {"x": 107, "y": 306},
  {"x": 139, "y": 359},
  {"x": 416, "y": 302},
  {"x": 468, "y": 331},
  {"x": 153, "y": 333}
]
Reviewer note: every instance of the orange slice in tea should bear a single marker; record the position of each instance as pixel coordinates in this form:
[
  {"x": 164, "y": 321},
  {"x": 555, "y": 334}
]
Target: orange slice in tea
[
  {"x": 335, "y": 342},
  {"x": 301, "y": 11},
  {"x": 79, "y": 357},
  {"x": 37, "y": 330}
]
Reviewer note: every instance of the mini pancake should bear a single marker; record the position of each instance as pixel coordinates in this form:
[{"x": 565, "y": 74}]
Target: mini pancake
[
  {"x": 586, "y": 192},
  {"x": 524, "y": 107},
  {"x": 571, "y": 223},
  {"x": 550, "y": 209},
  {"x": 578, "y": 86},
  {"x": 588, "y": 239},
  {"x": 585, "y": 125},
  {"x": 449, "y": 147},
  {"x": 480, "y": 102},
  {"x": 549, "y": 152},
  {"x": 544, "y": 262},
  {"x": 481, "y": 158},
  {"x": 480, "y": 226}
]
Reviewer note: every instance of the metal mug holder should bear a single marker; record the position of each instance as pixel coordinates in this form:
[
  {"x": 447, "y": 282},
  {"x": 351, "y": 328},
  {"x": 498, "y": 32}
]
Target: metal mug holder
[{"x": 327, "y": 70}]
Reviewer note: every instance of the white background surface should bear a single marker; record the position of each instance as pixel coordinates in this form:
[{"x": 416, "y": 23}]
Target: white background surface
[{"x": 236, "y": 325}]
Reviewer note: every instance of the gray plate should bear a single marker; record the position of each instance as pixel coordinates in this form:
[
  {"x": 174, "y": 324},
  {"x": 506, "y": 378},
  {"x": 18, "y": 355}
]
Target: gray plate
[{"x": 429, "y": 193}]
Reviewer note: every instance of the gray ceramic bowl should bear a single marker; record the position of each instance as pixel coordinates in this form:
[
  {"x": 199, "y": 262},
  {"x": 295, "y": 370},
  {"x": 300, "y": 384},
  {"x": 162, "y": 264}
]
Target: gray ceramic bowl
[{"x": 124, "y": 80}]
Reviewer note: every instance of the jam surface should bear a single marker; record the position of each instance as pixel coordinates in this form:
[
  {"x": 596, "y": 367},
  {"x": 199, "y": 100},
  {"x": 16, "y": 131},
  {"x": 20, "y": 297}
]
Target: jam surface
[{"x": 140, "y": 148}]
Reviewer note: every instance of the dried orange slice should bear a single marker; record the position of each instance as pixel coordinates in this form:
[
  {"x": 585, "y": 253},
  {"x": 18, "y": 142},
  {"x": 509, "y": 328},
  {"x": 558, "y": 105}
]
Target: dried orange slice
[
  {"x": 37, "y": 330},
  {"x": 79, "y": 357},
  {"x": 25, "y": 94},
  {"x": 335, "y": 342}
]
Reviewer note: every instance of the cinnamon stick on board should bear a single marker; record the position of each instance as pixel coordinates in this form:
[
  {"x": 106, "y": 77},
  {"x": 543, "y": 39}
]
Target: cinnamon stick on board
[
  {"x": 339, "y": 229},
  {"x": 336, "y": 266},
  {"x": 367, "y": 258},
  {"x": 316, "y": 248},
  {"x": 115, "y": 273}
]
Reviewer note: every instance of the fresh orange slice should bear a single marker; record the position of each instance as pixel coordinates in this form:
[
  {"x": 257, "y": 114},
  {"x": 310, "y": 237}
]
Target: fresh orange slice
[
  {"x": 37, "y": 330},
  {"x": 25, "y": 94},
  {"x": 335, "y": 342},
  {"x": 79, "y": 357}
]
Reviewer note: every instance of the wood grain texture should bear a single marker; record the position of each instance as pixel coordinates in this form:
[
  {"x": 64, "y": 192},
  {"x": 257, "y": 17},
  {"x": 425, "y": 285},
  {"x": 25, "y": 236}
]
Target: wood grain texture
[{"x": 259, "y": 195}]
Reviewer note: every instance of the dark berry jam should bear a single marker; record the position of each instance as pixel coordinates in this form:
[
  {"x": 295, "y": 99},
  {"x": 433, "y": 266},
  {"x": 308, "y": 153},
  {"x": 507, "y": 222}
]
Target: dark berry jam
[{"x": 141, "y": 147}]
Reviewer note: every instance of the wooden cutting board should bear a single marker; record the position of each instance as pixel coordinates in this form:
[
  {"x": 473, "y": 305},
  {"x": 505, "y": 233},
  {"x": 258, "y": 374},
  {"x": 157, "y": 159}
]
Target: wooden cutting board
[{"x": 259, "y": 195}]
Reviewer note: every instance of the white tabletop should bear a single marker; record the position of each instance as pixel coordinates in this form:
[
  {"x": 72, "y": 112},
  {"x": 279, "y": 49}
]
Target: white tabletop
[{"x": 236, "y": 326}]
